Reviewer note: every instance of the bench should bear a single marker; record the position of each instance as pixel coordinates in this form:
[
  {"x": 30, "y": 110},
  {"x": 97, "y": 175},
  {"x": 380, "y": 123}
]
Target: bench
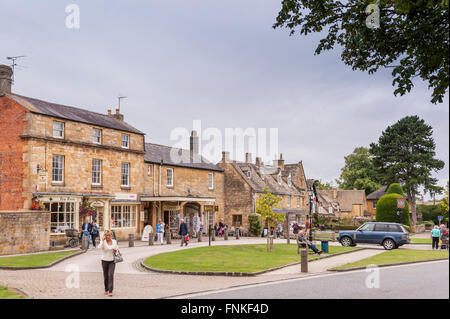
[{"x": 324, "y": 236}]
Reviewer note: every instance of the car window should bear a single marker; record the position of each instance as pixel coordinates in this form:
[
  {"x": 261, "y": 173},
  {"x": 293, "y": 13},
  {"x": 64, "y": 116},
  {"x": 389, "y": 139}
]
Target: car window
[
  {"x": 367, "y": 227},
  {"x": 381, "y": 227},
  {"x": 395, "y": 229}
]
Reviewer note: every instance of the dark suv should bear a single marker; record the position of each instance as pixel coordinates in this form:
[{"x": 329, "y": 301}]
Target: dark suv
[{"x": 388, "y": 235}]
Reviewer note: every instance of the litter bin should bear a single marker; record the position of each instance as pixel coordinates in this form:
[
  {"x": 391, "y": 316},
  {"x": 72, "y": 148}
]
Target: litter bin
[{"x": 325, "y": 246}]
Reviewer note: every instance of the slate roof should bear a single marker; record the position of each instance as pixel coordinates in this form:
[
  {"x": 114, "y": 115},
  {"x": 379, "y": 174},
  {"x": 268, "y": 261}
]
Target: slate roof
[
  {"x": 378, "y": 193},
  {"x": 155, "y": 153},
  {"x": 270, "y": 180},
  {"x": 72, "y": 113}
]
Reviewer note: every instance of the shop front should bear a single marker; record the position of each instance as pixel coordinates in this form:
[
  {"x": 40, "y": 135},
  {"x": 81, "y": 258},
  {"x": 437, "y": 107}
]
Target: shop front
[{"x": 124, "y": 216}]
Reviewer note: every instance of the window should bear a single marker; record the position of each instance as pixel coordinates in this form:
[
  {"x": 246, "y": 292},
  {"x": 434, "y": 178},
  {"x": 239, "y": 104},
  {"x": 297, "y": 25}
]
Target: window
[
  {"x": 170, "y": 177},
  {"x": 211, "y": 180},
  {"x": 262, "y": 176},
  {"x": 290, "y": 180},
  {"x": 149, "y": 170},
  {"x": 58, "y": 169},
  {"x": 395, "y": 229},
  {"x": 62, "y": 216},
  {"x": 279, "y": 178},
  {"x": 125, "y": 141},
  {"x": 367, "y": 227},
  {"x": 96, "y": 172},
  {"x": 374, "y": 205},
  {"x": 237, "y": 220},
  {"x": 58, "y": 129},
  {"x": 123, "y": 216},
  {"x": 249, "y": 174},
  {"x": 125, "y": 174},
  {"x": 381, "y": 227},
  {"x": 298, "y": 201},
  {"x": 96, "y": 136},
  {"x": 289, "y": 201}
]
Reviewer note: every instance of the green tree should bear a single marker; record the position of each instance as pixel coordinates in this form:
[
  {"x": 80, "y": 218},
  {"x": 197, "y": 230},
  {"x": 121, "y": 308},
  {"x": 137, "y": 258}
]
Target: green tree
[
  {"x": 323, "y": 185},
  {"x": 434, "y": 190},
  {"x": 444, "y": 202},
  {"x": 264, "y": 207},
  {"x": 412, "y": 40},
  {"x": 405, "y": 152},
  {"x": 359, "y": 172}
]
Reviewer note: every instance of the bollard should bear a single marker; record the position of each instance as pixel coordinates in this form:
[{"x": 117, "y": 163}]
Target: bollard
[
  {"x": 200, "y": 239},
  {"x": 213, "y": 235},
  {"x": 225, "y": 234},
  {"x": 304, "y": 260},
  {"x": 237, "y": 231},
  {"x": 130, "y": 240},
  {"x": 168, "y": 238},
  {"x": 151, "y": 239},
  {"x": 84, "y": 242}
]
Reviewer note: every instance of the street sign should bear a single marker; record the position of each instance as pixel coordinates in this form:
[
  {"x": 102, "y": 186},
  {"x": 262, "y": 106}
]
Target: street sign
[
  {"x": 401, "y": 202},
  {"x": 42, "y": 177},
  {"x": 440, "y": 218}
]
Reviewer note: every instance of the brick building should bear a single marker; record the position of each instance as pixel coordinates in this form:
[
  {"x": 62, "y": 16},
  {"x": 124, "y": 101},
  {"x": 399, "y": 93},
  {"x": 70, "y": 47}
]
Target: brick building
[{"x": 245, "y": 182}]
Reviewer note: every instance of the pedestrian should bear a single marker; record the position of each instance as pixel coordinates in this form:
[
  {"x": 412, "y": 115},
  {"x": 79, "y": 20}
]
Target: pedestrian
[
  {"x": 160, "y": 232},
  {"x": 302, "y": 239},
  {"x": 109, "y": 248},
  {"x": 279, "y": 230},
  {"x": 184, "y": 232},
  {"x": 86, "y": 229},
  {"x": 94, "y": 233},
  {"x": 444, "y": 236},
  {"x": 295, "y": 228},
  {"x": 435, "y": 235}
]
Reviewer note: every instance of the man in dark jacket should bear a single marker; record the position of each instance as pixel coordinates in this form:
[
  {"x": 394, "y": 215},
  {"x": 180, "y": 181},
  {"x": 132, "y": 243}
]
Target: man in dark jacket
[
  {"x": 183, "y": 232},
  {"x": 87, "y": 230}
]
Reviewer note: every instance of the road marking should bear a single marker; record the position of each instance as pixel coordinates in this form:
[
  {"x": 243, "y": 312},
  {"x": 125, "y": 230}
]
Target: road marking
[{"x": 274, "y": 282}]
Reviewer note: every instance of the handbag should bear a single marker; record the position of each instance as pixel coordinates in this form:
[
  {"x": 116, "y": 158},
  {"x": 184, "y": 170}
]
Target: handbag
[
  {"x": 186, "y": 238},
  {"x": 118, "y": 257}
]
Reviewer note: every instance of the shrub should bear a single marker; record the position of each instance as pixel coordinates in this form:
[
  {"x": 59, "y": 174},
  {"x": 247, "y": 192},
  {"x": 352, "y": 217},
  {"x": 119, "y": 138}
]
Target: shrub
[
  {"x": 255, "y": 224},
  {"x": 430, "y": 212},
  {"x": 344, "y": 227},
  {"x": 395, "y": 188},
  {"x": 407, "y": 228},
  {"x": 387, "y": 210}
]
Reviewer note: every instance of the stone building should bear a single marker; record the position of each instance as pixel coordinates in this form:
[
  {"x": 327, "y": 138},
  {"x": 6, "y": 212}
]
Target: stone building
[
  {"x": 67, "y": 158},
  {"x": 245, "y": 182},
  {"x": 182, "y": 184},
  {"x": 342, "y": 203}
]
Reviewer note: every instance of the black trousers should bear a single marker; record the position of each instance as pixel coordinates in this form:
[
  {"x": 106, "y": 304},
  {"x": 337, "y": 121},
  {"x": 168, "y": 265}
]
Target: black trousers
[
  {"x": 108, "y": 275},
  {"x": 435, "y": 243},
  {"x": 94, "y": 237}
]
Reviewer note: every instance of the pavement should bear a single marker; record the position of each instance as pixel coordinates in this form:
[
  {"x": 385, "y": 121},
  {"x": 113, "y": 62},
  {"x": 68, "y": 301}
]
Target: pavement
[{"x": 132, "y": 282}]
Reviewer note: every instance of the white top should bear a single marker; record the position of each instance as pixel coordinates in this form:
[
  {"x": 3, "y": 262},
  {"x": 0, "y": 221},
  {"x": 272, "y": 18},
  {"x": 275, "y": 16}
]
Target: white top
[{"x": 107, "y": 250}]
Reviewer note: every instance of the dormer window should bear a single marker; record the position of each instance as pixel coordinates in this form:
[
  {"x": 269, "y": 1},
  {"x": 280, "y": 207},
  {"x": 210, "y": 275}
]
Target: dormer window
[
  {"x": 249, "y": 174},
  {"x": 290, "y": 180},
  {"x": 280, "y": 180}
]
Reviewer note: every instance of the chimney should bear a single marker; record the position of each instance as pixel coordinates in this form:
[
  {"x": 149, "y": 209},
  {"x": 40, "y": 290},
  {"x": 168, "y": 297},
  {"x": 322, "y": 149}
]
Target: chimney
[
  {"x": 117, "y": 116},
  {"x": 109, "y": 112},
  {"x": 259, "y": 161},
  {"x": 248, "y": 158},
  {"x": 6, "y": 74},
  {"x": 279, "y": 163},
  {"x": 225, "y": 157},
  {"x": 194, "y": 143},
  {"x": 335, "y": 193}
]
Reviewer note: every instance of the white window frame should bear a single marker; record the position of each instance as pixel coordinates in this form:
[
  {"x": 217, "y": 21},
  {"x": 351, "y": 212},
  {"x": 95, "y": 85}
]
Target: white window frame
[
  {"x": 60, "y": 160},
  {"x": 69, "y": 213},
  {"x": 249, "y": 174},
  {"x": 125, "y": 172},
  {"x": 289, "y": 201},
  {"x": 290, "y": 180},
  {"x": 97, "y": 170},
  {"x": 211, "y": 181},
  {"x": 374, "y": 205},
  {"x": 298, "y": 201},
  {"x": 97, "y": 139},
  {"x": 170, "y": 177},
  {"x": 58, "y": 129},
  {"x": 127, "y": 216},
  {"x": 149, "y": 170},
  {"x": 280, "y": 179},
  {"x": 126, "y": 140}
]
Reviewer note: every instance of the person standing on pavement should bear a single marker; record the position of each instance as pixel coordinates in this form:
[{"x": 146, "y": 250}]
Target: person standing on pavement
[
  {"x": 183, "y": 232},
  {"x": 86, "y": 228},
  {"x": 160, "y": 232},
  {"x": 444, "y": 236},
  {"x": 435, "y": 235},
  {"x": 94, "y": 233},
  {"x": 109, "y": 248}
]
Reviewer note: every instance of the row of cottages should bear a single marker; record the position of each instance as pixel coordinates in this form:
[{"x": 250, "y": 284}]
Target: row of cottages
[
  {"x": 68, "y": 159},
  {"x": 245, "y": 182}
]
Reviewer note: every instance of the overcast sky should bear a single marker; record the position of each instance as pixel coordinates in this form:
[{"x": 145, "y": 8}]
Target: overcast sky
[{"x": 220, "y": 62}]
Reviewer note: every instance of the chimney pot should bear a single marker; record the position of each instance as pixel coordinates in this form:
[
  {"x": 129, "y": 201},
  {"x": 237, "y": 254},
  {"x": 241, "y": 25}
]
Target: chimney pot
[
  {"x": 117, "y": 111},
  {"x": 259, "y": 161},
  {"x": 248, "y": 158},
  {"x": 226, "y": 157},
  {"x": 194, "y": 143},
  {"x": 6, "y": 74},
  {"x": 109, "y": 111}
]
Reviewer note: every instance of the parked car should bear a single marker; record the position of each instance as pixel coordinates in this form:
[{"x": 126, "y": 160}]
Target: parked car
[{"x": 388, "y": 235}]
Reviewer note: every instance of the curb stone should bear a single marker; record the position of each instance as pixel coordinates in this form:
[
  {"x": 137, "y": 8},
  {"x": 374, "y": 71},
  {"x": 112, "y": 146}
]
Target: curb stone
[
  {"x": 387, "y": 265},
  {"x": 237, "y": 274},
  {"x": 43, "y": 267}
]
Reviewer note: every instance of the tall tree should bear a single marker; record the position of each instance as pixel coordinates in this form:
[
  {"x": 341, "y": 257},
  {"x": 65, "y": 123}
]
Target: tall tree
[
  {"x": 412, "y": 37},
  {"x": 444, "y": 202},
  {"x": 405, "y": 153},
  {"x": 359, "y": 172}
]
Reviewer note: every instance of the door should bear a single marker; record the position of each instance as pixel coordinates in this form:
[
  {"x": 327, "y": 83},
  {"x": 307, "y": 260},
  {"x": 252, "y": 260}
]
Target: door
[
  {"x": 365, "y": 233},
  {"x": 380, "y": 233}
]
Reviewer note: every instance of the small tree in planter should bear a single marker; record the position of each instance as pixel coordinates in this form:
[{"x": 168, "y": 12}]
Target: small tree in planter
[
  {"x": 254, "y": 221},
  {"x": 264, "y": 207}
]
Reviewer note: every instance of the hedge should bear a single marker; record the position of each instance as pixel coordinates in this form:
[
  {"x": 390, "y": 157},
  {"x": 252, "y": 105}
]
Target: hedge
[
  {"x": 387, "y": 210},
  {"x": 395, "y": 188}
]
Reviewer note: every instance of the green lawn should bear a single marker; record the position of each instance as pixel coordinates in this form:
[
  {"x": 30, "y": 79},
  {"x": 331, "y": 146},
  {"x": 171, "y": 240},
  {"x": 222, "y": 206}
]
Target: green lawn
[
  {"x": 236, "y": 258},
  {"x": 397, "y": 256},
  {"x": 421, "y": 240},
  {"x": 35, "y": 260},
  {"x": 5, "y": 293}
]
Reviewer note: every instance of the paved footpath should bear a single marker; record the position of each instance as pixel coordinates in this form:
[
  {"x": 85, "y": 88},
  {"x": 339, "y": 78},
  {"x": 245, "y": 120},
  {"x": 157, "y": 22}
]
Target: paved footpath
[{"x": 131, "y": 282}]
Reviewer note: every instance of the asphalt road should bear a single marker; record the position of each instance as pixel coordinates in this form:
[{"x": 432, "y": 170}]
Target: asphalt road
[{"x": 414, "y": 281}]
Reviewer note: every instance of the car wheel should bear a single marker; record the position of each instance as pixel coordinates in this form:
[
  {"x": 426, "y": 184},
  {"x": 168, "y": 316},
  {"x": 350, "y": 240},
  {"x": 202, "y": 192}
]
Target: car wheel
[
  {"x": 388, "y": 244},
  {"x": 346, "y": 241}
]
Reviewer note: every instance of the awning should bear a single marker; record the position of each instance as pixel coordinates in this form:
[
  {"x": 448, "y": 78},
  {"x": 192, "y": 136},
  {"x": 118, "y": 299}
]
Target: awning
[{"x": 176, "y": 199}]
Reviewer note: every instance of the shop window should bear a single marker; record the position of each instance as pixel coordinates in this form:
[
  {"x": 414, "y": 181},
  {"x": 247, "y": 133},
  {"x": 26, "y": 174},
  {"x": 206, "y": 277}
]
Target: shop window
[
  {"x": 237, "y": 220},
  {"x": 62, "y": 217},
  {"x": 123, "y": 216}
]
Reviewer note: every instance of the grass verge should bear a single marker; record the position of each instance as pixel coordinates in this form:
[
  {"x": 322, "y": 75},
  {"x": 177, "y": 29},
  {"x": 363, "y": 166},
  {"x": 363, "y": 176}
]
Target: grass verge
[
  {"x": 236, "y": 258},
  {"x": 397, "y": 256},
  {"x": 34, "y": 260},
  {"x": 421, "y": 241},
  {"x": 5, "y": 293}
]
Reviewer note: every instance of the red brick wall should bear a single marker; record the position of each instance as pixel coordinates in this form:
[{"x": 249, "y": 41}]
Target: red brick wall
[{"x": 12, "y": 166}]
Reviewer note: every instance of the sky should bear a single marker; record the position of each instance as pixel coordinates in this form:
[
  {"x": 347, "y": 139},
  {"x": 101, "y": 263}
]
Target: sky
[{"x": 220, "y": 62}]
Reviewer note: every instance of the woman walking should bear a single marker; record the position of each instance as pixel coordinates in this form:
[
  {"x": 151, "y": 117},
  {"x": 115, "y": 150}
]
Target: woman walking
[
  {"x": 435, "y": 235},
  {"x": 94, "y": 233},
  {"x": 109, "y": 248}
]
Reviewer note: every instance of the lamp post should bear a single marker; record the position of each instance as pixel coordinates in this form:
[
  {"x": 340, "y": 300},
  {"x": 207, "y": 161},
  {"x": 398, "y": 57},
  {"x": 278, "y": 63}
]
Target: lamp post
[{"x": 312, "y": 206}]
